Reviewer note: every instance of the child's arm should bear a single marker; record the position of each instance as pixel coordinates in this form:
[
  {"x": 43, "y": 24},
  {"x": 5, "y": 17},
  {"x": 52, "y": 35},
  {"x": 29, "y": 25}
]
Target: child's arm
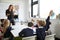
[
  {"x": 21, "y": 33},
  {"x": 46, "y": 27}
]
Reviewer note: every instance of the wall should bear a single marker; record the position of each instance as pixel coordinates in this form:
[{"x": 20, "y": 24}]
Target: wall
[
  {"x": 55, "y": 27},
  {"x": 24, "y": 8},
  {"x": 47, "y": 5}
]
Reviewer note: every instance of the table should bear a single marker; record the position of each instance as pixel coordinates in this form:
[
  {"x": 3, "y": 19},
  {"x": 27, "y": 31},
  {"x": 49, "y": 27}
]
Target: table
[{"x": 17, "y": 28}]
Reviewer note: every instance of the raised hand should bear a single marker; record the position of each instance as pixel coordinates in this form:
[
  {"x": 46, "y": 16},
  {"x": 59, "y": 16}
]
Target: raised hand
[{"x": 51, "y": 12}]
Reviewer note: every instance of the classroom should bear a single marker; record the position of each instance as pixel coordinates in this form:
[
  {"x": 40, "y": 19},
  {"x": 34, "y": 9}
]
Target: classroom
[{"x": 29, "y": 20}]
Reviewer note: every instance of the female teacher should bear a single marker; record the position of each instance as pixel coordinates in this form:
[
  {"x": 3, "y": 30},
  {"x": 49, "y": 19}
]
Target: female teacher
[{"x": 10, "y": 14}]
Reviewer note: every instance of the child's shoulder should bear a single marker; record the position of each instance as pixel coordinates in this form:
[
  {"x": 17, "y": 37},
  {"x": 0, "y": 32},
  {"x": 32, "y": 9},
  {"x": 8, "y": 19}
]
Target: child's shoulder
[{"x": 40, "y": 29}]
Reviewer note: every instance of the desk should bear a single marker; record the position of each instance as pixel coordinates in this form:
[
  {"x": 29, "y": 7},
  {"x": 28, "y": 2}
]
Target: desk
[{"x": 17, "y": 28}]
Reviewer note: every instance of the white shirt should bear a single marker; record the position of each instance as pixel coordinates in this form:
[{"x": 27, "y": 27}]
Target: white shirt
[{"x": 34, "y": 29}]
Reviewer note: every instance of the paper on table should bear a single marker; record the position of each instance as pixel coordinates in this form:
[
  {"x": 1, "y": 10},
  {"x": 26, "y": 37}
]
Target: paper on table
[{"x": 18, "y": 29}]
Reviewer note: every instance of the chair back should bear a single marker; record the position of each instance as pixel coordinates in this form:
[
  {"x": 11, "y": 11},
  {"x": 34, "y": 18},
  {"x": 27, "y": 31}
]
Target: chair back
[{"x": 29, "y": 38}]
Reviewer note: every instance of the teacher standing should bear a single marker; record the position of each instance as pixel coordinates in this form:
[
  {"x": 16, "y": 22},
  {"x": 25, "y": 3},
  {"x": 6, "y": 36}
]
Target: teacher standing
[{"x": 10, "y": 14}]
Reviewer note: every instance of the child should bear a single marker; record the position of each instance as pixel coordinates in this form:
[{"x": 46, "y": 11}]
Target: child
[
  {"x": 7, "y": 29},
  {"x": 40, "y": 31},
  {"x": 27, "y": 31},
  {"x": 42, "y": 27},
  {"x": 47, "y": 26}
]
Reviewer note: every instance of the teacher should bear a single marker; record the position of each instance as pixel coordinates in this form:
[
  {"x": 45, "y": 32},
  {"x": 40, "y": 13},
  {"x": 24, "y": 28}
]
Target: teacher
[{"x": 10, "y": 14}]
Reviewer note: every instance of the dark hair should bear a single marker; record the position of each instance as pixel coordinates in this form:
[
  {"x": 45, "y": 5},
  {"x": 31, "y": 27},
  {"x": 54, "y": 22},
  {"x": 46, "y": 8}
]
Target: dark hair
[
  {"x": 2, "y": 20},
  {"x": 30, "y": 24},
  {"x": 10, "y": 6}
]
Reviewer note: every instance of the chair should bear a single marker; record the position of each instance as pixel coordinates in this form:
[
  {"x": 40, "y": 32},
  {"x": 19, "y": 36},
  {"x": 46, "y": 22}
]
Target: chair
[
  {"x": 29, "y": 38},
  {"x": 50, "y": 37},
  {"x": 5, "y": 38}
]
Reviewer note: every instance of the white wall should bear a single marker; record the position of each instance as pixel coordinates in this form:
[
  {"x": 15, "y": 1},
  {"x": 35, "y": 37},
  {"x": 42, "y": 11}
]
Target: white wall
[
  {"x": 47, "y": 5},
  {"x": 24, "y": 10},
  {"x": 55, "y": 27}
]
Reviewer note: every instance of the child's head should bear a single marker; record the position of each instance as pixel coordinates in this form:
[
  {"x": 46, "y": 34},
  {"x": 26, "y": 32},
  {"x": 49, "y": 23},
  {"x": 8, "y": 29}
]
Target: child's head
[
  {"x": 6, "y": 23},
  {"x": 37, "y": 21},
  {"x": 30, "y": 24},
  {"x": 41, "y": 23},
  {"x": 32, "y": 20}
]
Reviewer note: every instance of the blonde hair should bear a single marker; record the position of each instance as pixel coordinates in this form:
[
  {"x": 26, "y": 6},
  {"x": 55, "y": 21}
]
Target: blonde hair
[
  {"x": 41, "y": 23},
  {"x": 6, "y": 24}
]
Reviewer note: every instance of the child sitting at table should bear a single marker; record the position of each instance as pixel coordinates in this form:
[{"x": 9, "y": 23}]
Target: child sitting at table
[
  {"x": 40, "y": 31},
  {"x": 6, "y": 30},
  {"x": 27, "y": 31}
]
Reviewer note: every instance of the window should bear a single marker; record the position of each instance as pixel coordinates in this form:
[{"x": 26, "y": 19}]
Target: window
[
  {"x": 34, "y": 0},
  {"x": 45, "y": 7},
  {"x": 34, "y": 8}
]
